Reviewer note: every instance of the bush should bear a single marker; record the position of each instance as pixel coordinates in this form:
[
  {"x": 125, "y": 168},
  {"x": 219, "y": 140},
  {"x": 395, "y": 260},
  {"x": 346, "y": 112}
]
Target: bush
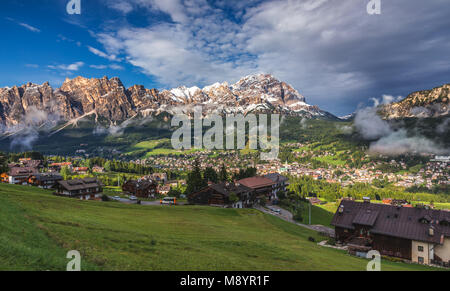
[
  {"x": 298, "y": 216},
  {"x": 105, "y": 198}
]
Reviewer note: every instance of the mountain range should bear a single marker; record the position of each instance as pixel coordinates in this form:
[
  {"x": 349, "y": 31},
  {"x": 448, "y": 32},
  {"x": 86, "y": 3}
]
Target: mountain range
[{"x": 109, "y": 99}]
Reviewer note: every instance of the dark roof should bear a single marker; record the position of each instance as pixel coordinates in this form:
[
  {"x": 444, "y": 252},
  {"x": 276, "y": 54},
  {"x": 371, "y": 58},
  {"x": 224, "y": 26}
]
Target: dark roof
[
  {"x": 32, "y": 163},
  {"x": 366, "y": 217},
  {"x": 228, "y": 188},
  {"x": 403, "y": 222},
  {"x": 277, "y": 178},
  {"x": 256, "y": 182},
  {"x": 22, "y": 171},
  {"x": 141, "y": 184},
  {"x": 48, "y": 177},
  {"x": 78, "y": 184}
]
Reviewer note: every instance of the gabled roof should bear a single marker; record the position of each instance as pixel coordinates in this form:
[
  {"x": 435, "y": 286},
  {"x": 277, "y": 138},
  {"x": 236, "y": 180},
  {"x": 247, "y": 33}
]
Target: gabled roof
[
  {"x": 22, "y": 171},
  {"x": 402, "y": 222},
  {"x": 228, "y": 188},
  {"x": 79, "y": 184},
  {"x": 141, "y": 183},
  {"x": 47, "y": 177},
  {"x": 366, "y": 217},
  {"x": 256, "y": 182}
]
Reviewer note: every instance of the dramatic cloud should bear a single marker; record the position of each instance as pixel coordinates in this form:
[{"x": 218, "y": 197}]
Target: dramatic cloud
[
  {"x": 389, "y": 141},
  {"x": 332, "y": 51}
]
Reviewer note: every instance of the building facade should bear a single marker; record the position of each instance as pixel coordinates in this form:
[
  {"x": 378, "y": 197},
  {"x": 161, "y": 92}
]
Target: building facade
[{"x": 418, "y": 234}]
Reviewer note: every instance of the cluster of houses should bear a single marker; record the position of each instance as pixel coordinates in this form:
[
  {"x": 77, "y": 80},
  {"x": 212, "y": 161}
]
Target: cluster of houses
[
  {"x": 27, "y": 172},
  {"x": 418, "y": 234},
  {"x": 151, "y": 186},
  {"x": 242, "y": 193}
]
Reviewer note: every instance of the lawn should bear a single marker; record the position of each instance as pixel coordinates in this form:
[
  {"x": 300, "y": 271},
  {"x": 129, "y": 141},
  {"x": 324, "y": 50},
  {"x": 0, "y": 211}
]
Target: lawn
[{"x": 39, "y": 228}]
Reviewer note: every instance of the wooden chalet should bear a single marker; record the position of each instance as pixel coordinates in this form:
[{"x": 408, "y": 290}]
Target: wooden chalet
[
  {"x": 44, "y": 180},
  {"x": 219, "y": 195},
  {"x": 280, "y": 183},
  {"x": 19, "y": 175},
  {"x": 141, "y": 188},
  {"x": 416, "y": 234},
  {"x": 84, "y": 189},
  {"x": 56, "y": 167},
  {"x": 29, "y": 163},
  {"x": 261, "y": 186}
]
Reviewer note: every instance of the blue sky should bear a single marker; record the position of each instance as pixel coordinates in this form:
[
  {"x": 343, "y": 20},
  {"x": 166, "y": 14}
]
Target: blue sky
[{"x": 333, "y": 52}]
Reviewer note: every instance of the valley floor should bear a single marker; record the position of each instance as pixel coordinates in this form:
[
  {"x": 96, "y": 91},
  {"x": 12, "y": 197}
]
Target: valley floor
[{"x": 38, "y": 229}]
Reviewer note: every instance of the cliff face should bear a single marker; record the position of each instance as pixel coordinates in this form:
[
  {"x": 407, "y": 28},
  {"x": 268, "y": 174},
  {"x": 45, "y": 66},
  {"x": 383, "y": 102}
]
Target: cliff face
[
  {"x": 427, "y": 103},
  {"x": 109, "y": 99}
]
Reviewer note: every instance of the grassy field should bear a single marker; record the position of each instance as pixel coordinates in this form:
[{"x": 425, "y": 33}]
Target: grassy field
[
  {"x": 156, "y": 147},
  {"x": 319, "y": 215},
  {"x": 39, "y": 228}
]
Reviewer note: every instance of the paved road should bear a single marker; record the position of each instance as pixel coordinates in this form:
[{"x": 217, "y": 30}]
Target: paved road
[
  {"x": 155, "y": 202},
  {"x": 287, "y": 216}
]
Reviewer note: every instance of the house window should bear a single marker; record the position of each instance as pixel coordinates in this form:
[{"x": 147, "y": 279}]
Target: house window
[
  {"x": 420, "y": 248},
  {"x": 420, "y": 259}
]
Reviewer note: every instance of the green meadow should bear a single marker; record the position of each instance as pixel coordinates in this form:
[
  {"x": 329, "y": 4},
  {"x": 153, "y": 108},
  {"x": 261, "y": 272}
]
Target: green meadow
[{"x": 37, "y": 230}]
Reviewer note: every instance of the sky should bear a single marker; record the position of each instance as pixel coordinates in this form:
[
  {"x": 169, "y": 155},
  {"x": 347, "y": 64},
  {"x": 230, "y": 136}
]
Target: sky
[{"x": 332, "y": 51}]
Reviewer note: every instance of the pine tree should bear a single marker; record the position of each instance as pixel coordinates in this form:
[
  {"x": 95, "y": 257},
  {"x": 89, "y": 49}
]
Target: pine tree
[{"x": 223, "y": 175}]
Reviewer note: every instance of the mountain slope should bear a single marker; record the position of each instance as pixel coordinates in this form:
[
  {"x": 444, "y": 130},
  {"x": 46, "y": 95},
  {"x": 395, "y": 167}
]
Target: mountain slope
[
  {"x": 421, "y": 104},
  {"x": 39, "y": 228}
]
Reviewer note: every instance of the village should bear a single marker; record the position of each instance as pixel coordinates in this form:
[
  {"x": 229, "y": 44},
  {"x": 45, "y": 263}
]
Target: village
[{"x": 435, "y": 172}]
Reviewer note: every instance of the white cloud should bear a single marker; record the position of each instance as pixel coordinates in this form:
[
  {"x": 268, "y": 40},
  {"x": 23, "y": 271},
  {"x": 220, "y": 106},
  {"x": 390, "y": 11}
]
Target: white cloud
[
  {"x": 101, "y": 54},
  {"x": 104, "y": 67},
  {"x": 27, "y": 26},
  {"x": 71, "y": 67},
  {"x": 98, "y": 67},
  {"x": 122, "y": 6}
]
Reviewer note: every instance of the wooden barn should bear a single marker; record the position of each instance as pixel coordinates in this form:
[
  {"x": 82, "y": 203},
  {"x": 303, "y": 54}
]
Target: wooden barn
[
  {"x": 141, "y": 188},
  {"x": 416, "y": 234},
  {"x": 219, "y": 195}
]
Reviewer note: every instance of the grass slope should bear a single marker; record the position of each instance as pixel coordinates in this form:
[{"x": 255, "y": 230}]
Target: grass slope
[{"x": 39, "y": 228}]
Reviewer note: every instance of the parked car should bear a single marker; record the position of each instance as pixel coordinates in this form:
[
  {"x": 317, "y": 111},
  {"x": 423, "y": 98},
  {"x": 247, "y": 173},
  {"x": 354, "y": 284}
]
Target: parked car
[{"x": 133, "y": 198}]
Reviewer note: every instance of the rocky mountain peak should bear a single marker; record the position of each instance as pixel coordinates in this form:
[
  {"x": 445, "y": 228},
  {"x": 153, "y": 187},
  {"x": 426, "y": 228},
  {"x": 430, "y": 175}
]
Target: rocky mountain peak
[{"x": 421, "y": 104}]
